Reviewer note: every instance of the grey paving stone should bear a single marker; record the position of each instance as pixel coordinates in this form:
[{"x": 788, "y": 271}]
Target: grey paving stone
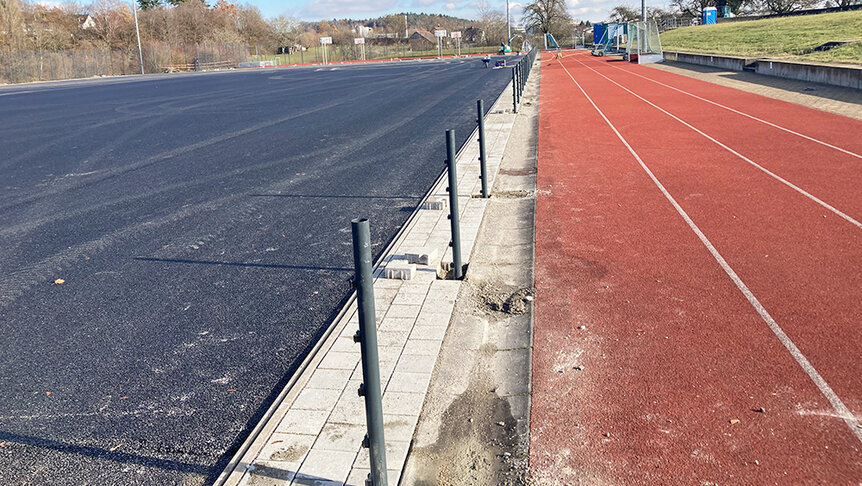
[{"x": 298, "y": 421}]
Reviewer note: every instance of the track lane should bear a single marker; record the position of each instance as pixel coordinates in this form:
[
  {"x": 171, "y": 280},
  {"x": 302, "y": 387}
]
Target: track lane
[
  {"x": 815, "y": 123},
  {"x": 672, "y": 350},
  {"x": 817, "y": 171},
  {"x": 765, "y": 232}
]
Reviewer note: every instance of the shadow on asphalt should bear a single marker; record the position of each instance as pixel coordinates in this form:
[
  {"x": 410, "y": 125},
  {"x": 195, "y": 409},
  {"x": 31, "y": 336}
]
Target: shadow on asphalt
[
  {"x": 96, "y": 452},
  {"x": 240, "y": 264},
  {"x": 340, "y": 196}
]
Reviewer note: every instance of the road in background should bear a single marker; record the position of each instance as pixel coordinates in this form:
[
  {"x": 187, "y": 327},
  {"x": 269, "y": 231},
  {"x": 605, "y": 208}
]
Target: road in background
[{"x": 201, "y": 224}]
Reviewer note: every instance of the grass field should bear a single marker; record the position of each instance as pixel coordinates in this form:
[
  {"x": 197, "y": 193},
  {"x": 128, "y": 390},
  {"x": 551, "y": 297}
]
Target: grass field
[{"x": 786, "y": 37}]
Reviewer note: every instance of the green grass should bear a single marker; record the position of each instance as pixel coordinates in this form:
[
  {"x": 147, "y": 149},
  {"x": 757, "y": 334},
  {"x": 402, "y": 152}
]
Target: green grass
[{"x": 786, "y": 37}]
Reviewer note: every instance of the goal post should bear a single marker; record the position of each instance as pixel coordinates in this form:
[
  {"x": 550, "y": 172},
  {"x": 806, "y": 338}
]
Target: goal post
[{"x": 643, "y": 44}]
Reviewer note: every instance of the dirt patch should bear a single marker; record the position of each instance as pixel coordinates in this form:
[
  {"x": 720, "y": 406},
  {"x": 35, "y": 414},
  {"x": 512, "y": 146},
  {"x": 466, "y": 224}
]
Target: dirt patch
[
  {"x": 476, "y": 440},
  {"x": 447, "y": 272},
  {"x": 290, "y": 454},
  {"x": 512, "y": 194},
  {"x": 518, "y": 172},
  {"x": 507, "y": 300}
]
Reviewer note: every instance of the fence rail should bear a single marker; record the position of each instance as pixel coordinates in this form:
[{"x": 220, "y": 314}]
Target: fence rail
[
  {"x": 341, "y": 53},
  {"x": 28, "y": 66}
]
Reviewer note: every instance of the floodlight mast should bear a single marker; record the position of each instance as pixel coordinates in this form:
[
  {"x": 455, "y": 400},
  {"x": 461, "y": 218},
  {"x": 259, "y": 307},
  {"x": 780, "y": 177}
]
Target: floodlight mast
[
  {"x": 643, "y": 10},
  {"x": 138, "y": 33},
  {"x": 508, "y": 25}
]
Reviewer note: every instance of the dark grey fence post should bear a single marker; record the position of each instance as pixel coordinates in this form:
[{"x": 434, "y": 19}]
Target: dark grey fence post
[
  {"x": 518, "y": 72},
  {"x": 367, "y": 337},
  {"x": 483, "y": 160},
  {"x": 457, "y": 267},
  {"x": 514, "y": 92}
]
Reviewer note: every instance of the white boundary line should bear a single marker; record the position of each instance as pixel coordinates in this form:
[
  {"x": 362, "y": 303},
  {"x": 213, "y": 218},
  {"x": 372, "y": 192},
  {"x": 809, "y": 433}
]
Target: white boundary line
[
  {"x": 848, "y": 152},
  {"x": 812, "y": 373},
  {"x": 734, "y": 152}
]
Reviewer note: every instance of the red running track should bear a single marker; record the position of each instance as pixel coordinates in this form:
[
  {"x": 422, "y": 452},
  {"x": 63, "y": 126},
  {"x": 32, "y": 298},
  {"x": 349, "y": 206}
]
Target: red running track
[{"x": 694, "y": 266}]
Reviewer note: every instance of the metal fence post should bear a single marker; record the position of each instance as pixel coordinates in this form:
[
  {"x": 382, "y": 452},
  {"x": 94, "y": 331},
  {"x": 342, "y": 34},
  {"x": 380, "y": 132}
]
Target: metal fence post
[
  {"x": 518, "y": 69},
  {"x": 367, "y": 338},
  {"x": 457, "y": 268},
  {"x": 514, "y": 92},
  {"x": 482, "y": 155},
  {"x": 522, "y": 71}
]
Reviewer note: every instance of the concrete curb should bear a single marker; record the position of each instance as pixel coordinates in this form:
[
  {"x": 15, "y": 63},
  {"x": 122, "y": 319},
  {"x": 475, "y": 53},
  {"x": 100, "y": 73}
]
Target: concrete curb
[{"x": 833, "y": 74}]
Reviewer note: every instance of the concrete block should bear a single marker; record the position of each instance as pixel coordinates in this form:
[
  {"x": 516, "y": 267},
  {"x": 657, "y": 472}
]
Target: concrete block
[
  {"x": 434, "y": 203},
  {"x": 426, "y": 256},
  {"x": 400, "y": 271}
]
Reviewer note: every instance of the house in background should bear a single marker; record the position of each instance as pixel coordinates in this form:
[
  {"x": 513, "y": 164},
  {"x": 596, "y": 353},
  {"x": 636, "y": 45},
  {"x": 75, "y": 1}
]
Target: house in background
[
  {"x": 85, "y": 21},
  {"x": 422, "y": 40}
]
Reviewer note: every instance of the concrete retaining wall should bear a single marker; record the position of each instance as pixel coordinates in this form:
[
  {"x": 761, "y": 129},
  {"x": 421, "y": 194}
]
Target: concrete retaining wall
[
  {"x": 848, "y": 76},
  {"x": 836, "y": 75},
  {"x": 726, "y": 62}
]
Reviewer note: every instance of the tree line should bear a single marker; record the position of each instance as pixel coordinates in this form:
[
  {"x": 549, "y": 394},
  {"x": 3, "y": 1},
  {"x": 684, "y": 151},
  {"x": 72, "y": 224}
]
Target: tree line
[
  {"x": 552, "y": 16},
  {"x": 27, "y": 25}
]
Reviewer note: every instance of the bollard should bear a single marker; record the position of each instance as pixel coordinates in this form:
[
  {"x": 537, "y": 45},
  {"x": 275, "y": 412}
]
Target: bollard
[
  {"x": 518, "y": 76},
  {"x": 514, "y": 92},
  {"x": 367, "y": 338},
  {"x": 457, "y": 268},
  {"x": 483, "y": 159},
  {"x": 520, "y": 80}
]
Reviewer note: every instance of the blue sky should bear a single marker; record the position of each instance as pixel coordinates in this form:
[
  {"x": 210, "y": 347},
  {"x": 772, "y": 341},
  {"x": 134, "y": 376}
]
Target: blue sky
[{"x": 592, "y": 10}]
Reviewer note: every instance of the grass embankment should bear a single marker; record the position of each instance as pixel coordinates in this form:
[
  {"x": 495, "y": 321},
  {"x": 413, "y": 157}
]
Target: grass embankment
[{"x": 784, "y": 37}]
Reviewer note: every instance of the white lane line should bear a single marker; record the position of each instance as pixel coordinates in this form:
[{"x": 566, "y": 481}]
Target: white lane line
[
  {"x": 826, "y": 144},
  {"x": 734, "y": 152},
  {"x": 812, "y": 373},
  {"x": 13, "y": 93}
]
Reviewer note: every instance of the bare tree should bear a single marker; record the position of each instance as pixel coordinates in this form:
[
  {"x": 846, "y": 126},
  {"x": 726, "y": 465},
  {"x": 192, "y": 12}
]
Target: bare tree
[
  {"x": 548, "y": 16},
  {"x": 784, "y": 6},
  {"x": 492, "y": 23},
  {"x": 395, "y": 24},
  {"x": 624, "y": 13},
  {"x": 286, "y": 31},
  {"x": 113, "y": 22},
  {"x": 253, "y": 28},
  {"x": 12, "y": 32},
  {"x": 692, "y": 7}
]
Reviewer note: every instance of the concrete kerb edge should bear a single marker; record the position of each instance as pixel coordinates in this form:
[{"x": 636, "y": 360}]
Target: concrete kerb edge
[{"x": 234, "y": 472}]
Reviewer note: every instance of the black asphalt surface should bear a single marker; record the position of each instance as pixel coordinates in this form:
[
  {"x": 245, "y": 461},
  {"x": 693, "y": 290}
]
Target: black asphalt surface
[{"x": 202, "y": 226}]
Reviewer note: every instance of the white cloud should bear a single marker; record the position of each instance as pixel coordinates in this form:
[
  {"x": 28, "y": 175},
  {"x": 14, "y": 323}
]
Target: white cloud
[{"x": 451, "y": 6}]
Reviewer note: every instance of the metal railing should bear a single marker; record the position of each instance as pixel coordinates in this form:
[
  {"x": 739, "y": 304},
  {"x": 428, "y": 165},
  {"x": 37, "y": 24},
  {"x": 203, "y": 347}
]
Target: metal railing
[{"x": 44, "y": 65}]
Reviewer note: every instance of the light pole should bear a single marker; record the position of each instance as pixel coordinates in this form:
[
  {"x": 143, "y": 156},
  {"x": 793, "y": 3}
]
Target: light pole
[
  {"x": 643, "y": 10},
  {"x": 508, "y": 25},
  {"x": 138, "y": 33}
]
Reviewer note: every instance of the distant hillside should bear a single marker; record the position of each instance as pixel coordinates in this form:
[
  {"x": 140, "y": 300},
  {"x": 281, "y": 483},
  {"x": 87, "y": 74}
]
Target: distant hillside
[{"x": 414, "y": 21}]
